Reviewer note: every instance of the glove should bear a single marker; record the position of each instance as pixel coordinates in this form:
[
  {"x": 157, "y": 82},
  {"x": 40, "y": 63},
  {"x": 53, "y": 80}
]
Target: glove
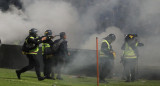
[{"x": 114, "y": 54}]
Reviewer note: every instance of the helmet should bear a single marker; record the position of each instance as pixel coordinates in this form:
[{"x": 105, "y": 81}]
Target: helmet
[
  {"x": 111, "y": 37},
  {"x": 130, "y": 37},
  {"x": 62, "y": 34},
  {"x": 48, "y": 33},
  {"x": 33, "y": 32}
]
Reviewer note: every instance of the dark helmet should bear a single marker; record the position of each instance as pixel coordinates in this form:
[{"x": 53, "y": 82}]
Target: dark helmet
[
  {"x": 112, "y": 37},
  {"x": 130, "y": 36},
  {"x": 62, "y": 34},
  {"x": 48, "y": 33},
  {"x": 33, "y": 31}
]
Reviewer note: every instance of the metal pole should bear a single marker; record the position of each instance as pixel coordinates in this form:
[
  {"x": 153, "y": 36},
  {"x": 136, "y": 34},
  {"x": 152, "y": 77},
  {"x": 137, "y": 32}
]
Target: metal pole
[{"x": 97, "y": 61}]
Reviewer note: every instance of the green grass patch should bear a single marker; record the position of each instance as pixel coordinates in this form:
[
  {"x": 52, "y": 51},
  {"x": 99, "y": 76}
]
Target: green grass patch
[{"x": 8, "y": 78}]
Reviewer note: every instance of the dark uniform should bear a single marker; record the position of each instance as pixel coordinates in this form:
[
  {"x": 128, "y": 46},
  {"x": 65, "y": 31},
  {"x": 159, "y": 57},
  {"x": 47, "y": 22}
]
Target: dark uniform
[
  {"x": 33, "y": 41},
  {"x": 61, "y": 54},
  {"x": 47, "y": 54},
  {"x": 106, "y": 58},
  {"x": 47, "y": 59},
  {"x": 130, "y": 57}
]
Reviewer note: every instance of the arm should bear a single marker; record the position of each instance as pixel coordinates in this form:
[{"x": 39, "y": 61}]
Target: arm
[
  {"x": 65, "y": 48},
  {"x": 36, "y": 41},
  {"x": 140, "y": 44}
]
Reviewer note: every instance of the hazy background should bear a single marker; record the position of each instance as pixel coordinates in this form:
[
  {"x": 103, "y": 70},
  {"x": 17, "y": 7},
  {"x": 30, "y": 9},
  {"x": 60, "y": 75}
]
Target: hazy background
[{"x": 84, "y": 20}]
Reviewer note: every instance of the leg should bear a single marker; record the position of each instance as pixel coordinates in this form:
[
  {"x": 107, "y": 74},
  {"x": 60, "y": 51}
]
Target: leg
[
  {"x": 59, "y": 67},
  {"x": 48, "y": 68},
  {"x": 45, "y": 62},
  {"x": 127, "y": 71},
  {"x": 37, "y": 65},
  {"x": 103, "y": 70},
  {"x": 133, "y": 71},
  {"x": 54, "y": 64},
  {"x": 26, "y": 68},
  {"x": 110, "y": 66}
]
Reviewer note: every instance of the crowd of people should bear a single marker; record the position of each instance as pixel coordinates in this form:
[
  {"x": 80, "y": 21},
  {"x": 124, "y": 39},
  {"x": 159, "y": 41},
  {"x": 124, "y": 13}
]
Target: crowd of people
[{"x": 55, "y": 52}]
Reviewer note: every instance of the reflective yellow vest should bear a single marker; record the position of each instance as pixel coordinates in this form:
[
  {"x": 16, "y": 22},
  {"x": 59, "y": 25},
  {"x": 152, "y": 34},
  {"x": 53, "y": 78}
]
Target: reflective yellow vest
[
  {"x": 44, "y": 45},
  {"x": 33, "y": 51},
  {"x": 129, "y": 52},
  {"x": 101, "y": 52}
]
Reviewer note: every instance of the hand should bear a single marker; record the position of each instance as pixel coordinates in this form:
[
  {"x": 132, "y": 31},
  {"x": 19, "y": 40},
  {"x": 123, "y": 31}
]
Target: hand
[
  {"x": 114, "y": 54},
  {"x": 69, "y": 53},
  {"x": 140, "y": 44},
  {"x": 44, "y": 38}
]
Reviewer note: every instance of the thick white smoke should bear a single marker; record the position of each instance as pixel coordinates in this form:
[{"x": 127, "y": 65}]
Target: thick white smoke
[
  {"x": 147, "y": 23},
  {"x": 61, "y": 15},
  {"x": 143, "y": 19}
]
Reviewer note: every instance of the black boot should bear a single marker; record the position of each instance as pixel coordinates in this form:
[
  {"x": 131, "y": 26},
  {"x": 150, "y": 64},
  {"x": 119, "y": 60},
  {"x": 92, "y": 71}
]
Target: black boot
[
  {"x": 128, "y": 79},
  {"x": 18, "y": 74},
  {"x": 103, "y": 81},
  {"x": 41, "y": 78}
]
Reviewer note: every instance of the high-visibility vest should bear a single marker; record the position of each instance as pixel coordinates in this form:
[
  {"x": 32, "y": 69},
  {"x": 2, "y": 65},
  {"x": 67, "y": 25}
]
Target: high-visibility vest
[
  {"x": 109, "y": 47},
  {"x": 129, "y": 52},
  {"x": 44, "y": 45},
  {"x": 33, "y": 51}
]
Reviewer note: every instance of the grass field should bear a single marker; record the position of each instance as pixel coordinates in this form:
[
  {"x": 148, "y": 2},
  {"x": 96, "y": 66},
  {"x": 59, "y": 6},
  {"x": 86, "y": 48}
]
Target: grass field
[{"x": 8, "y": 78}]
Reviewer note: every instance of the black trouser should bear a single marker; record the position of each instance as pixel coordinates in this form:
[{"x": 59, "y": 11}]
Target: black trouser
[
  {"x": 130, "y": 69},
  {"x": 47, "y": 65},
  {"x": 33, "y": 62},
  {"x": 60, "y": 64},
  {"x": 106, "y": 66},
  {"x": 54, "y": 65}
]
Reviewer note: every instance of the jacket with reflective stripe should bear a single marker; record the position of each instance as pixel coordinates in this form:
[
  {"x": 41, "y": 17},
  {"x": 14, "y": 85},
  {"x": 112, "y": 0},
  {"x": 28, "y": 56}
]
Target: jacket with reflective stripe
[
  {"x": 45, "y": 45},
  {"x": 109, "y": 47},
  {"x": 129, "y": 52},
  {"x": 33, "y": 51}
]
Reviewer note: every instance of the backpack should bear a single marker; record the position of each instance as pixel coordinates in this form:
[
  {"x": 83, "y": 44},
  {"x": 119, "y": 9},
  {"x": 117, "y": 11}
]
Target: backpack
[
  {"x": 56, "y": 45},
  {"x": 47, "y": 50},
  {"x": 27, "y": 47}
]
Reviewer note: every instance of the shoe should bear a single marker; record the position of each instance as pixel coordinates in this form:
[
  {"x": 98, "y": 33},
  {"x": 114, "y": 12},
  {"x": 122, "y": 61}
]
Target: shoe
[
  {"x": 41, "y": 78},
  {"x": 127, "y": 81},
  {"x": 48, "y": 77},
  {"x": 18, "y": 74},
  {"x": 103, "y": 81}
]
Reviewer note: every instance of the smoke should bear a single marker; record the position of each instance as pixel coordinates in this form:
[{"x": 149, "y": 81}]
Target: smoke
[
  {"x": 41, "y": 14},
  {"x": 142, "y": 18},
  {"x": 81, "y": 22}
]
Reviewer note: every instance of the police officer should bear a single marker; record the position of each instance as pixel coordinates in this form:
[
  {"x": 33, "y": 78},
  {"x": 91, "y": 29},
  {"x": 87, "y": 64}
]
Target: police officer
[
  {"x": 61, "y": 53},
  {"x": 130, "y": 55},
  {"x": 47, "y": 54},
  {"x": 31, "y": 49},
  {"x": 106, "y": 57}
]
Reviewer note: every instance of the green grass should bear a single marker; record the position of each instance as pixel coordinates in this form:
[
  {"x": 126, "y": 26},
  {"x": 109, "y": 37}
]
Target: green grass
[{"x": 8, "y": 78}]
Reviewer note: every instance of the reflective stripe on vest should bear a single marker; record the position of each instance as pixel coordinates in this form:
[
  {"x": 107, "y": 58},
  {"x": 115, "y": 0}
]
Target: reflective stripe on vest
[
  {"x": 129, "y": 52},
  {"x": 45, "y": 45},
  {"x": 102, "y": 53},
  {"x": 33, "y": 51}
]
